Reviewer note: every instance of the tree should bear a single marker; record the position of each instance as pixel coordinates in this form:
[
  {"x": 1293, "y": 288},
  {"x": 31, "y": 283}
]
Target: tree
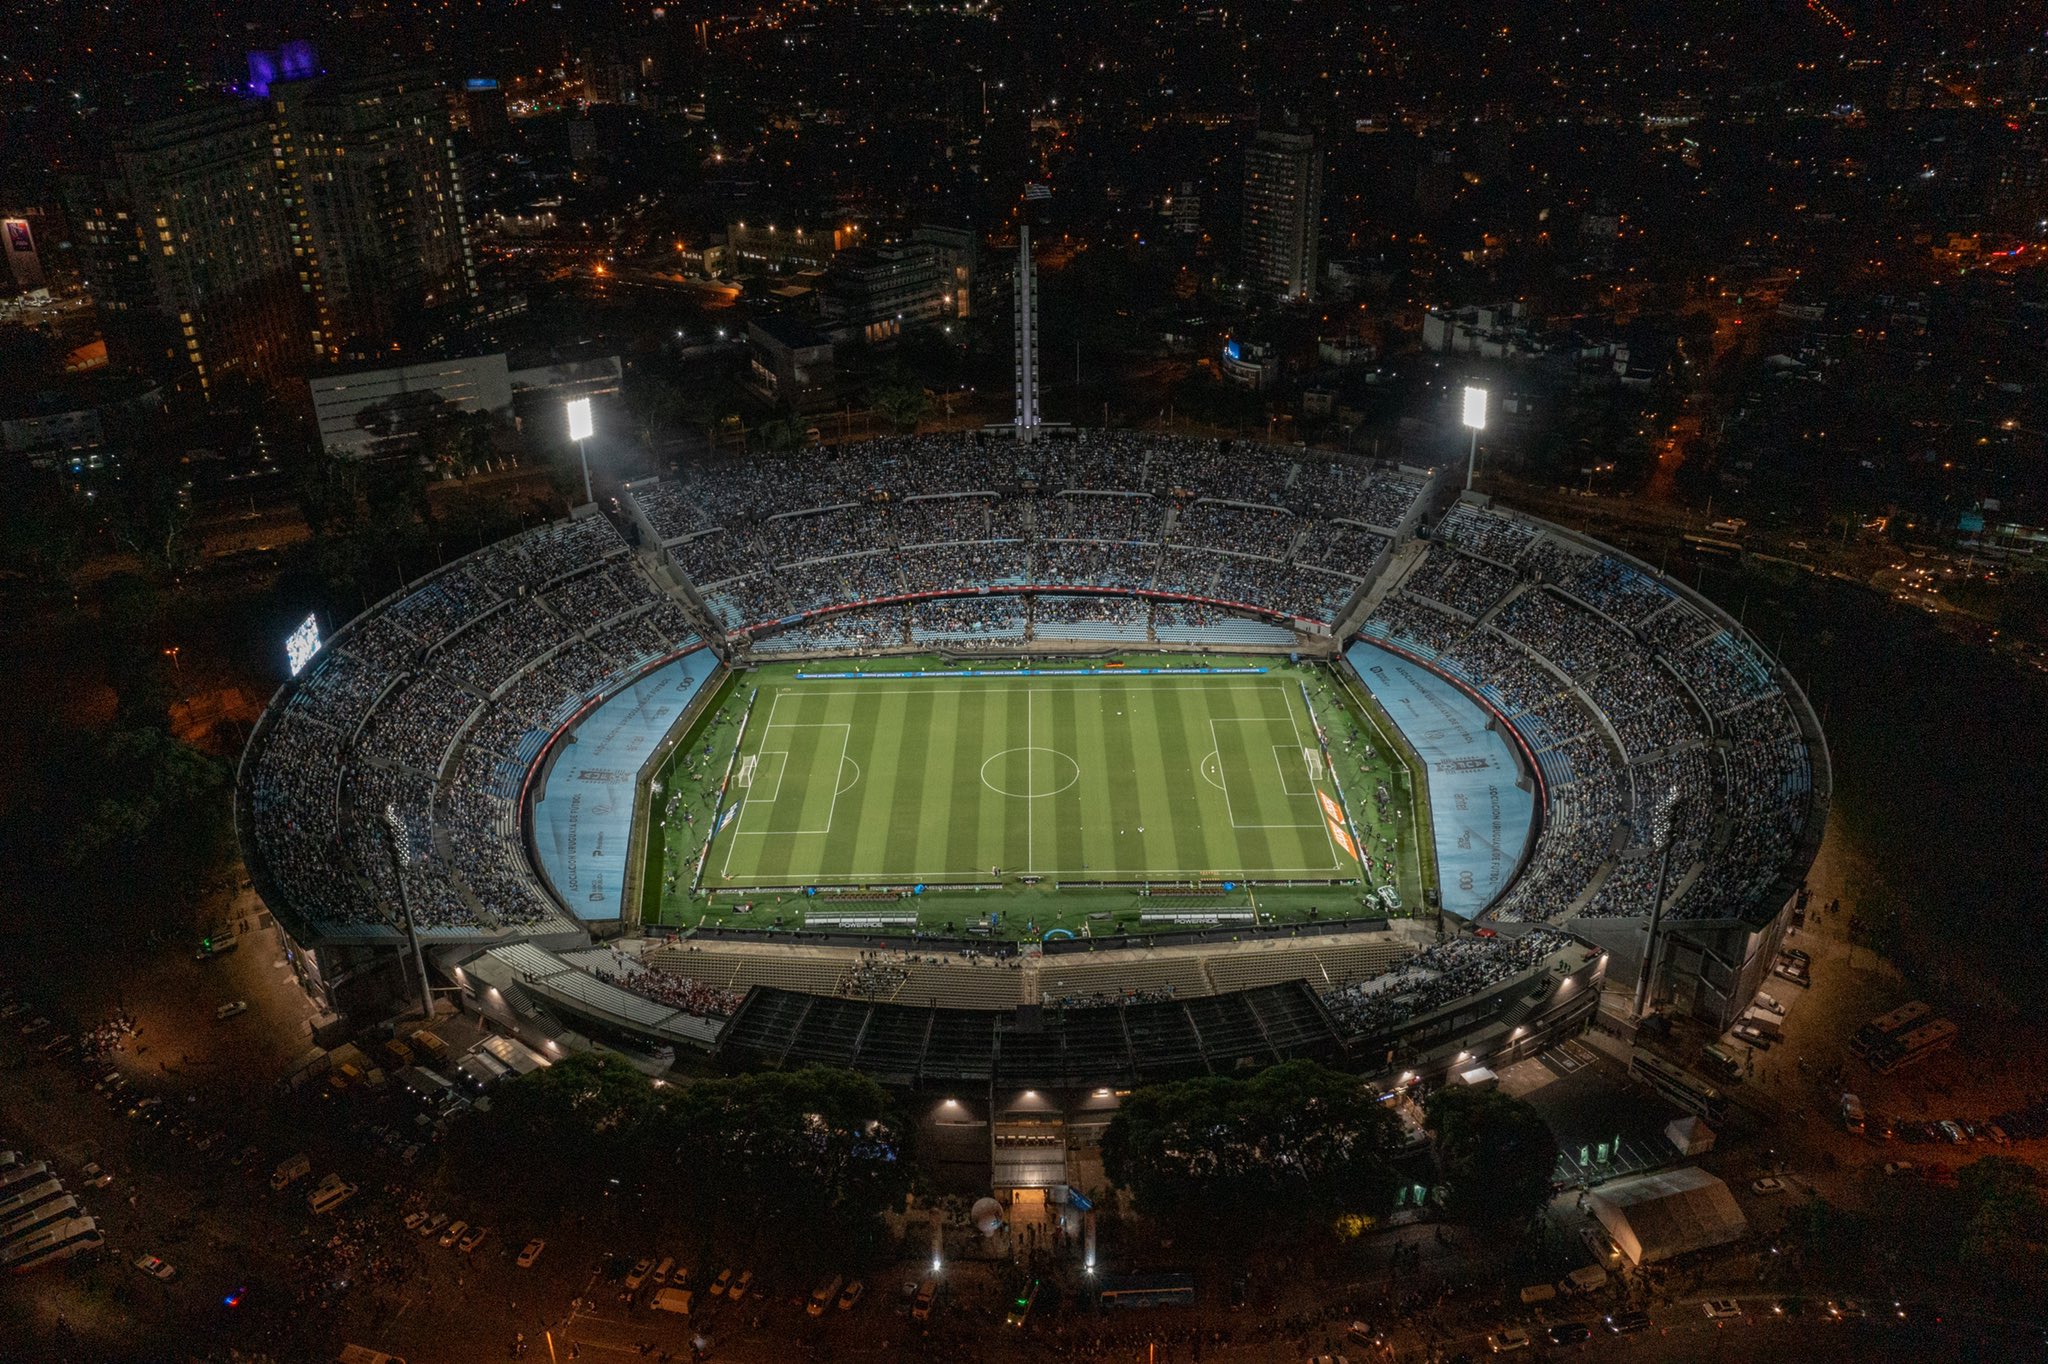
[
  {"x": 1296, "y": 1139},
  {"x": 2005, "y": 1236},
  {"x": 1495, "y": 1155},
  {"x": 44, "y": 534},
  {"x": 903, "y": 401},
  {"x": 735, "y": 1159},
  {"x": 152, "y": 512},
  {"x": 780, "y": 434}
]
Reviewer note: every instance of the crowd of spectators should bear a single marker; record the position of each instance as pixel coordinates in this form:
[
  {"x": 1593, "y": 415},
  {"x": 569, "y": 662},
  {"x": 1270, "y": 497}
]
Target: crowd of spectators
[
  {"x": 686, "y": 993},
  {"x": 761, "y": 538},
  {"x": 976, "y": 617},
  {"x": 873, "y": 975},
  {"x": 1436, "y": 976},
  {"x": 1625, "y": 691},
  {"x": 432, "y": 729}
]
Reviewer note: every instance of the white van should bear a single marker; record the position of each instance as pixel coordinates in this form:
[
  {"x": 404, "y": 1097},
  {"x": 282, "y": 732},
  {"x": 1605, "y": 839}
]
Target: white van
[
  {"x": 676, "y": 1300},
  {"x": 328, "y": 1197},
  {"x": 294, "y": 1168}
]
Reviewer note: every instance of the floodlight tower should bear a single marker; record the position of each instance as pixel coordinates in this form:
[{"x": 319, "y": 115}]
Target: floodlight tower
[
  {"x": 1027, "y": 339},
  {"x": 581, "y": 428},
  {"x": 398, "y": 841},
  {"x": 1660, "y": 838},
  {"x": 1475, "y": 418}
]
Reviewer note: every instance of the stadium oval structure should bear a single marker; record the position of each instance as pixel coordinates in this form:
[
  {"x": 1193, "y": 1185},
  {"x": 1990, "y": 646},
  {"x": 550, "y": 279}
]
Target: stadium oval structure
[{"x": 389, "y": 793}]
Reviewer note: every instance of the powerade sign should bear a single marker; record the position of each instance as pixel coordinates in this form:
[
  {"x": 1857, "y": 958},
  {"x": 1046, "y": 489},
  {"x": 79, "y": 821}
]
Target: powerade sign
[{"x": 301, "y": 644}]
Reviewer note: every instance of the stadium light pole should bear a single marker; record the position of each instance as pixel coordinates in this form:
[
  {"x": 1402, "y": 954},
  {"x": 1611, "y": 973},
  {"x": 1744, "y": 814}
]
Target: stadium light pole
[
  {"x": 1660, "y": 838},
  {"x": 398, "y": 842},
  {"x": 1474, "y": 418},
  {"x": 581, "y": 429}
]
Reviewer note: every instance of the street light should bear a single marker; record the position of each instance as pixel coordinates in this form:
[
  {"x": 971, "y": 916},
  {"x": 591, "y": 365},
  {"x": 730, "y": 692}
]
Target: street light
[
  {"x": 581, "y": 428},
  {"x": 1474, "y": 417}
]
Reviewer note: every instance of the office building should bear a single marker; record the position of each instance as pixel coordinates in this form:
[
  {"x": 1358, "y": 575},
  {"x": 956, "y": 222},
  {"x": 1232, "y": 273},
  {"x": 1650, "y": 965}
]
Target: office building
[
  {"x": 874, "y": 293},
  {"x": 1283, "y": 213}
]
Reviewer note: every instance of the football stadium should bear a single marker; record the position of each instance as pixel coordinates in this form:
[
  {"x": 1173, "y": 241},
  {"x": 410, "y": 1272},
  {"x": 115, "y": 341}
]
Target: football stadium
[{"x": 1038, "y": 768}]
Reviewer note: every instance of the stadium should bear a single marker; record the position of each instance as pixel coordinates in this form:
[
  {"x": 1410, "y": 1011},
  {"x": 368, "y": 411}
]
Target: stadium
[{"x": 1041, "y": 769}]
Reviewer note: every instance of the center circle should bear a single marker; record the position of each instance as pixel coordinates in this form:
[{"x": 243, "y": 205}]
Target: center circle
[{"x": 1028, "y": 773}]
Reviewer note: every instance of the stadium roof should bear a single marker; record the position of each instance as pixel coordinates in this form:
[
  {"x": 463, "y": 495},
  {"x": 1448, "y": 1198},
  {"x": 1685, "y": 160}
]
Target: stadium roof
[
  {"x": 544, "y": 977},
  {"x": 1049, "y": 1049}
]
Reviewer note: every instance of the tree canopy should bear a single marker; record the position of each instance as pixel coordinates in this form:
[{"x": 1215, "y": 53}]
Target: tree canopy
[
  {"x": 817, "y": 1150},
  {"x": 1495, "y": 1155},
  {"x": 1295, "y": 1139}
]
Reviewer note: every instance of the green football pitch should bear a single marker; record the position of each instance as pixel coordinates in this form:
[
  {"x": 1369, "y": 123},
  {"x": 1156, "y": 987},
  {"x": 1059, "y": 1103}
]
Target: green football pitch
[
  {"x": 969, "y": 779},
  {"x": 1036, "y": 782}
]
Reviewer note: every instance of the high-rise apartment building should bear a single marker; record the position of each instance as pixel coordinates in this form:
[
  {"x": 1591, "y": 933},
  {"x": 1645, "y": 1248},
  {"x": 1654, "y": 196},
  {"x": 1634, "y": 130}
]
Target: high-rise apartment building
[
  {"x": 368, "y": 165},
  {"x": 321, "y": 222},
  {"x": 1283, "y": 212},
  {"x": 186, "y": 241}
]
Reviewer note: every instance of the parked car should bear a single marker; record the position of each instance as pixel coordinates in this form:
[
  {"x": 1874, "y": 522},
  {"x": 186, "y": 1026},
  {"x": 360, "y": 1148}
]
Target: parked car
[
  {"x": 721, "y": 1283},
  {"x": 1627, "y": 1323},
  {"x": 740, "y": 1285},
  {"x": 850, "y": 1295},
  {"x": 95, "y": 1176},
  {"x": 1508, "y": 1339},
  {"x": 434, "y": 1224},
  {"x": 823, "y": 1295},
  {"x": 531, "y": 1252},
  {"x": 638, "y": 1274},
  {"x": 229, "y": 1010},
  {"x": 473, "y": 1240},
  {"x": 453, "y": 1232},
  {"x": 1569, "y": 1333},
  {"x": 156, "y": 1268},
  {"x": 1898, "y": 1167},
  {"x": 1721, "y": 1309},
  {"x": 1768, "y": 1185}
]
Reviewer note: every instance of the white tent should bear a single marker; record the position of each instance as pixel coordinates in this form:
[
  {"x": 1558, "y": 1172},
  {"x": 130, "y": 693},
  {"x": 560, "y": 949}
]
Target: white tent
[
  {"x": 1660, "y": 1216},
  {"x": 1691, "y": 1136}
]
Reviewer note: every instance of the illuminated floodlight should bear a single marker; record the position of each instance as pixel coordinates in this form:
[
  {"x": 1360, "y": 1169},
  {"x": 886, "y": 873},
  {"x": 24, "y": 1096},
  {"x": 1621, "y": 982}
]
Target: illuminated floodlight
[
  {"x": 1475, "y": 408},
  {"x": 301, "y": 644},
  {"x": 581, "y": 427}
]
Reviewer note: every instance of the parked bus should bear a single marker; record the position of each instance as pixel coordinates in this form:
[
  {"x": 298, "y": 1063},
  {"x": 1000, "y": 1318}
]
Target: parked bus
[
  {"x": 1687, "y": 1090},
  {"x": 28, "y": 1195},
  {"x": 1885, "y": 1027},
  {"x": 328, "y": 1197},
  {"x": 58, "y": 1241},
  {"x": 1149, "y": 1290},
  {"x": 1917, "y": 1045},
  {"x": 28, "y": 1219},
  {"x": 14, "y": 1174}
]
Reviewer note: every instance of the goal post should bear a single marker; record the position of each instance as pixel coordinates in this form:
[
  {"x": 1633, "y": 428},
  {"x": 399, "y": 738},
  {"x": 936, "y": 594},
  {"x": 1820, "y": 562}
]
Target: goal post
[
  {"x": 1313, "y": 760},
  {"x": 744, "y": 778}
]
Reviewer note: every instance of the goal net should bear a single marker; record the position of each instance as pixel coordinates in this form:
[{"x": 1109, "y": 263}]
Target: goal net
[
  {"x": 1313, "y": 760},
  {"x": 745, "y": 776}
]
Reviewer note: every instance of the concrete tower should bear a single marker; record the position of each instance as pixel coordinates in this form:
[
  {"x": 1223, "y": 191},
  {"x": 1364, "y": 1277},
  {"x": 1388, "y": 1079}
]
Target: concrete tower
[{"x": 1027, "y": 339}]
